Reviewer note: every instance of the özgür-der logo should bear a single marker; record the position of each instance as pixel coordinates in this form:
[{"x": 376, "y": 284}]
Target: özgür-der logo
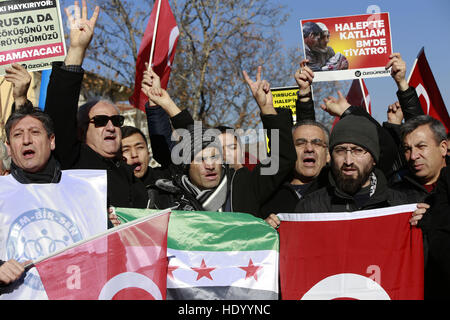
[{"x": 38, "y": 233}]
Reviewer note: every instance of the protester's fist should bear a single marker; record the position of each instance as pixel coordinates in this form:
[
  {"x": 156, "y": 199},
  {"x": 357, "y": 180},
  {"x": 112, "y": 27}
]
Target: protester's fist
[
  {"x": 417, "y": 215},
  {"x": 395, "y": 113},
  {"x": 304, "y": 77},
  {"x": 151, "y": 78},
  {"x": 398, "y": 71},
  {"x": 113, "y": 217},
  {"x": 11, "y": 271},
  {"x": 20, "y": 79},
  {"x": 273, "y": 220}
]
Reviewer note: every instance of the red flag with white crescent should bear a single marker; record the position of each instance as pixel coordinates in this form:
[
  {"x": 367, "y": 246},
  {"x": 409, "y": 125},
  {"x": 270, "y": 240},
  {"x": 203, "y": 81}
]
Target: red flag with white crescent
[
  {"x": 363, "y": 255},
  {"x": 164, "y": 50},
  {"x": 129, "y": 262},
  {"x": 422, "y": 79}
]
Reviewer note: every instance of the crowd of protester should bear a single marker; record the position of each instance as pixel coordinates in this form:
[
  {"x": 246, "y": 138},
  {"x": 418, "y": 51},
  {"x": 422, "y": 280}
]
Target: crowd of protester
[{"x": 361, "y": 164}]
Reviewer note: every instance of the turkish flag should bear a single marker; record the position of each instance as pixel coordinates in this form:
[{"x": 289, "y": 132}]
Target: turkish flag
[
  {"x": 127, "y": 263},
  {"x": 422, "y": 79},
  {"x": 358, "y": 95},
  {"x": 364, "y": 255},
  {"x": 164, "y": 51}
]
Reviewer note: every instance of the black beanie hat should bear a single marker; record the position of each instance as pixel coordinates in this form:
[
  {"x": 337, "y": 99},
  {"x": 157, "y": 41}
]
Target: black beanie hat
[
  {"x": 198, "y": 139},
  {"x": 357, "y": 130}
]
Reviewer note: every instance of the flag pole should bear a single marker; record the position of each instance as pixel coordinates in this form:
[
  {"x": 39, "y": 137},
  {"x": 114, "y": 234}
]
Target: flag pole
[
  {"x": 154, "y": 34},
  {"x": 361, "y": 86}
]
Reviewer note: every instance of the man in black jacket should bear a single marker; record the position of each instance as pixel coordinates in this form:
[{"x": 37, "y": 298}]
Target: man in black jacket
[
  {"x": 89, "y": 138},
  {"x": 354, "y": 182},
  {"x": 215, "y": 186},
  {"x": 424, "y": 142},
  {"x": 311, "y": 140}
]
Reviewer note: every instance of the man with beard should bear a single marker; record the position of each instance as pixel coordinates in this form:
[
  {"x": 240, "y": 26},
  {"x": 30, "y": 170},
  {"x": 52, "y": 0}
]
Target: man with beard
[{"x": 354, "y": 182}]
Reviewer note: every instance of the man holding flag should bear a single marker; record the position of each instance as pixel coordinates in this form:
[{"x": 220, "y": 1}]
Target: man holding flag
[
  {"x": 354, "y": 185},
  {"x": 42, "y": 208}
]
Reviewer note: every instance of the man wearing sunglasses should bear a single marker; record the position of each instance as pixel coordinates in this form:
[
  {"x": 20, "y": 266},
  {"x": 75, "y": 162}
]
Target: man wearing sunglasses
[{"x": 89, "y": 137}]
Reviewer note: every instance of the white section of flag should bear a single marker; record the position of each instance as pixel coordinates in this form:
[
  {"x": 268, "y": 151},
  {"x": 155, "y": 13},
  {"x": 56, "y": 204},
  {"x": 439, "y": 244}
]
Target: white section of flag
[
  {"x": 227, "y": 272},
  {"x": 338, "y": 216}
]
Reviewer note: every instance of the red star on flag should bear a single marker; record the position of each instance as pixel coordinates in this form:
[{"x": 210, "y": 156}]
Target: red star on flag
[
  {"x": 251, "y": 270},
  {"x": 171, "y": 269},
  {"x": 203, "y": 271}
]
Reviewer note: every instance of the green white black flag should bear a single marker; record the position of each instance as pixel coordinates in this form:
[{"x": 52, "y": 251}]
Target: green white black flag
[{"x": 218, "y": 255}]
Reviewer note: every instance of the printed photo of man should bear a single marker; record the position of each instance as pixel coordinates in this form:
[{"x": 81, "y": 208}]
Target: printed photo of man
[{"x": 322, "y": 57}]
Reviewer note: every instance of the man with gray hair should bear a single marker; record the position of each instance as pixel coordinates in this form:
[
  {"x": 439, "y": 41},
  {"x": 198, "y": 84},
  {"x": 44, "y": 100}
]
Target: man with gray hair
[{"x": 425, "y": 148}]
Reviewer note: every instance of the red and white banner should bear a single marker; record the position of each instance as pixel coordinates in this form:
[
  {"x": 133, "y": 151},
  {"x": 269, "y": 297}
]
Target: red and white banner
[
  {"x": 32, "y": 34},
  {"x": 164, "y": 50},
  {"x": 348, "y": 47},
  {"x": 363, "y": 255},
  {"x": 358, "y": 95},
  {"x": 127, "y": 263},
  {"x": 31, "y": 53},
  {"x": 430, "y": 97}
]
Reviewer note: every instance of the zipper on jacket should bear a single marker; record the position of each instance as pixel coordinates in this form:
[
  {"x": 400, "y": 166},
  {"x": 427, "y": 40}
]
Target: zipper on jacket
[{"x": 231, "y": 191}]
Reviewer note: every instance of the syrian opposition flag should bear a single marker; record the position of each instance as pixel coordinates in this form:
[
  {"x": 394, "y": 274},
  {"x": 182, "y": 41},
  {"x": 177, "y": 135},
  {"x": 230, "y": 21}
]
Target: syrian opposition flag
[
  {"x": 427, "y": 89},
  {"x": 358, "y": 95},
  {"x": 218, "y": 256},
  {"x": 363, "y": 255},
  {"x": 128, "y": 262},
  {"x": 157, "y": 48}
]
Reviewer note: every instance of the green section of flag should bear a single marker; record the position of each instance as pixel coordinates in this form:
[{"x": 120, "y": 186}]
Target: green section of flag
[{"x": 212, "y": 231}]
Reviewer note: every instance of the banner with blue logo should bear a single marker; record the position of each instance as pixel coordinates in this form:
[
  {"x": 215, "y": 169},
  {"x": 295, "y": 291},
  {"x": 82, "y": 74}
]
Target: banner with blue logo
[{"x": 39, "y": 219}]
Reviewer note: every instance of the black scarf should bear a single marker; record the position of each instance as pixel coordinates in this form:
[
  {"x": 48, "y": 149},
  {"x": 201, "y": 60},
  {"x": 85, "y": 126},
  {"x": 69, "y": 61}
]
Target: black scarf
[{"x": 50, "y": 174}]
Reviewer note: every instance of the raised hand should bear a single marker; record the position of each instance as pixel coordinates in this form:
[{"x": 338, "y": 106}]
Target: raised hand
[
  {"x": 159, "y": 96},
  {"x": 335, "y": 107},
  {"x": 20, "y": 79},
  {"x": 152, "y": 80},
  {"x": 304, "y": 77},
  {"x": 395, "y": 113},
  {"x": 81, "y": 32},
  {"x": 398, "y": 71},
  {"x": 261, "y": 92}
]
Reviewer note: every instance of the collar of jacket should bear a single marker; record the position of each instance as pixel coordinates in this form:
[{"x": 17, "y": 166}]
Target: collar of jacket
[
  {"x": 97, "y": 160},
  {"x": 50, "y": 174},
  {"x": 411, "y": 178}
]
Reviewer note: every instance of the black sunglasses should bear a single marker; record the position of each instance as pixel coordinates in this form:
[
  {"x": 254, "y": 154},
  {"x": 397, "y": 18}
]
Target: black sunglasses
[{"x": 102, "y": 120}]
